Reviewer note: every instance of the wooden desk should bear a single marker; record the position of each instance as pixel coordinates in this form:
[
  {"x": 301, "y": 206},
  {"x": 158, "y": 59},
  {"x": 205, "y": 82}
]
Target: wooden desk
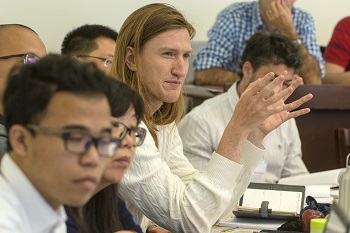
[
  {"x": 195, "y": 94},
  {"x": 330, "y": 109}
]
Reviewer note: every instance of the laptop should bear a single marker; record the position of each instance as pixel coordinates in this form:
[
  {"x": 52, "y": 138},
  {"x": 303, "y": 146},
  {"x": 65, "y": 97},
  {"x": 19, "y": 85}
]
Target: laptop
[{"x": 337, "y": 220}]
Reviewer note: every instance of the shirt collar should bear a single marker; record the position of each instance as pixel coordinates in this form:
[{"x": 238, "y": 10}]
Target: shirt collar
[
  {"x": 233, "y": 95},
  {"x": 40, "y": 214}
]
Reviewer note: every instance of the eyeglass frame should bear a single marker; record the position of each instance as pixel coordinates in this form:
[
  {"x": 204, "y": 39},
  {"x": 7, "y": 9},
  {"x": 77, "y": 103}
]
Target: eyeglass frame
[
  {"x": 64, "y": 134},
  {"x": 133, "y": 129},
  {"x": 25, "y": 60},
  {"x": 104, "y": 59}
]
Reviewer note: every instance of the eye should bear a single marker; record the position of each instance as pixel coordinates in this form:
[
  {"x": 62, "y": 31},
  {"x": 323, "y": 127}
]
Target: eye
[
  {"x": 169, "y": 54},
  {"x": 187, "y": 55}
]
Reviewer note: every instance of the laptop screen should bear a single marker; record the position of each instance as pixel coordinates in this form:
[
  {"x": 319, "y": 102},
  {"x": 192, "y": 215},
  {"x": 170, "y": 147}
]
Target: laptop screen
[{"x": 337, "y": 221}]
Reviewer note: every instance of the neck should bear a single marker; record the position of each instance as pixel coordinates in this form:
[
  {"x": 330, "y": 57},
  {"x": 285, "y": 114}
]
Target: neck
[
  {"x": 241, "y": 86},
  {"x": 103, "y": 184}
]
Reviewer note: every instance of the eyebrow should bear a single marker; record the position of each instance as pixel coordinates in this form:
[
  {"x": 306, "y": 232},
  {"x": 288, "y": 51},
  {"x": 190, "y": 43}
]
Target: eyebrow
[
  {"x": 172, "y": 49},
  {"x": 84, "y": 129}
]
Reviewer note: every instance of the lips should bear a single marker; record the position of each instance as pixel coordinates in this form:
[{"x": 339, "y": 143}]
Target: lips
[
  {"x": 123, "y": 161},
  {"x": 88, "y": 182}
]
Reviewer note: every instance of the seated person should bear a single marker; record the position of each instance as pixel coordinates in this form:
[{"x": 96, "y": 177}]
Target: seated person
[
  {"x": 26, "y": 48},
  {"x": 103, "y": 213},
  {"x": 97, "y": 37},
  {"x": 59, "y": 146},
  {"x": 152, "y": 56},
  {"x": 337, "y": 54},
  {"x": 91, "y": 43},
  {"x": 202, "y": 128},
  {"x": 217, "y": 62}
]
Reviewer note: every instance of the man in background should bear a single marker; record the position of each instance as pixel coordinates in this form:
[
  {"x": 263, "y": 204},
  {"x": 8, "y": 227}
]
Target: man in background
[
  {"x": 337, "y": 54},
  {"x": 217, "y": 62},
  {"x": 202, "y": 128},
  {"x": 91, "y": 43},
  {"x": 19, "y": 44}
]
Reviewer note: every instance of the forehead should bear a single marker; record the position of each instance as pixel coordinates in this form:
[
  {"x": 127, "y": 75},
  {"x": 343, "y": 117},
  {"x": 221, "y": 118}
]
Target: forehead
[
  {"x": 17, "y": 40},
  {"x": 178, "y": 39},
  {"x": 67, "y": 108},
  {"x": 105, "y": 43},
  {"x": 277, "y": 69}
]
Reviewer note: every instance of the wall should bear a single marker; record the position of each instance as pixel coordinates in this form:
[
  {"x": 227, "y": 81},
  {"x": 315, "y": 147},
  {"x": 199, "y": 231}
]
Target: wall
[{"x": 53, "y": 19}]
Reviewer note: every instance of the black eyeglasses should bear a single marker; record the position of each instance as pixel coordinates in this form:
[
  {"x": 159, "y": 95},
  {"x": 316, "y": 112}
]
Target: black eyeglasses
[
  {"x": 137, "y": 133},
  {"x": 29, "y": 58},
  {"x": 78, "y": 142},
  {"x": 107, "y": 62}
]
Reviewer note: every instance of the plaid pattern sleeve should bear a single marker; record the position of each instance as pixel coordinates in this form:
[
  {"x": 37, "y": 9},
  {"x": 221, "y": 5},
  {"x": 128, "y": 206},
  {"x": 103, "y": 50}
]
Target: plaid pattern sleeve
[
  {"x": 233, "y": 26},
  {"x": 306, "y": 30}
]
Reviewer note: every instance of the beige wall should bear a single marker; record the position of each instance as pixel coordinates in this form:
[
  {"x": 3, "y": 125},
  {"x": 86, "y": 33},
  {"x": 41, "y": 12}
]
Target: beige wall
[{"x": 53, "y": 19}]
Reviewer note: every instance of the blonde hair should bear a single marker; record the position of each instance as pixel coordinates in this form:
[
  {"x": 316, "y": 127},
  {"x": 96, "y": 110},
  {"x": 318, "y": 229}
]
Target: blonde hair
[{"x": 141, "y": 26}]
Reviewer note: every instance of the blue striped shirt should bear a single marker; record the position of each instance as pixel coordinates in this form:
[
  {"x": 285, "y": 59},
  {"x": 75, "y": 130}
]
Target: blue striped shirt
[{"x": 236, "y": 24}]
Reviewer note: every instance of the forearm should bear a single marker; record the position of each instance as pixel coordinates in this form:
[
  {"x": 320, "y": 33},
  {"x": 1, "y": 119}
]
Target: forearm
[
  {"x": 342, "y": 78},
  {"x": 310, "y": 71},
  {"x": 215, "y": 76}
]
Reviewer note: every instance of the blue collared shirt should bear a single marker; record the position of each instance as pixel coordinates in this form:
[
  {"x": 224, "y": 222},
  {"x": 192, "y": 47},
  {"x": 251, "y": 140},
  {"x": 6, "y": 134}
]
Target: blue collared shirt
[{"x": 236, "y": 24}]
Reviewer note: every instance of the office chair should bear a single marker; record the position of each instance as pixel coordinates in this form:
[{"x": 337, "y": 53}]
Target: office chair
[{"x": 342, "y": 143}]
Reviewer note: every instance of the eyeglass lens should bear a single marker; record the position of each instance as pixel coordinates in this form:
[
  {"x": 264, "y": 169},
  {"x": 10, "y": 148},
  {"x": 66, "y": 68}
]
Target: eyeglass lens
[
  {"x": 137, "y": 133},
  {"x": 80, "y": 144},
  {"x": 31, "y": 59}
]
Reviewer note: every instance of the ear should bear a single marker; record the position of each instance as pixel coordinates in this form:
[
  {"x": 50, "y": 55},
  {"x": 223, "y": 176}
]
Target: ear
[
  {"x": 19, "y": 138},
  {"x": 130, "y": 58},
  {"x": 247, "y": 70}
]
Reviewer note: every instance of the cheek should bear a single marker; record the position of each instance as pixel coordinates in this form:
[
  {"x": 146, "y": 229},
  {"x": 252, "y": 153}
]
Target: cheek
[{"x": 114, "y": 174}]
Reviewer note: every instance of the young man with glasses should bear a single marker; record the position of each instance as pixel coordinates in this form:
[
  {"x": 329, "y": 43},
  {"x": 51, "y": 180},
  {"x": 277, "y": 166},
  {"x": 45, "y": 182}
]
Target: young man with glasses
[
  {"x": 91, "y": 43},
  {"x": 59, "y": 145},
  {"x": 18, "y": 45}
]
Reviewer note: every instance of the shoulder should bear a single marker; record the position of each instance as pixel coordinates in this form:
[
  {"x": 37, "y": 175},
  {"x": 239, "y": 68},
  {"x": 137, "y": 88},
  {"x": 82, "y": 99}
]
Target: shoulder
[
  {"x": 12, "y": 215},
  {"x": 301, "y": 15},
  {"x": 239, "y": 8},
  {"x": 344, "y": 23}
]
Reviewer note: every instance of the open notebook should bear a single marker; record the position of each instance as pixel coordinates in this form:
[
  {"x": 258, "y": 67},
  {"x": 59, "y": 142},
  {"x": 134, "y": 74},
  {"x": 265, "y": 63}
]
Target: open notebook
[{"x": 272, "y": 201}]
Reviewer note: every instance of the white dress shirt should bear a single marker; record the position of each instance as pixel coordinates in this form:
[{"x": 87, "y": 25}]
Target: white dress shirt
[
  {"x": 164, "y": 186},
  {"x": 201, "y": 130},
  {"x": 22, "y": 208}
]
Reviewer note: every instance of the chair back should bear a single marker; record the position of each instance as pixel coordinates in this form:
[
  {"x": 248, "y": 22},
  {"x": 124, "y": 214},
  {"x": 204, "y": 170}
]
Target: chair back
[{"x": 342, "y": 143}]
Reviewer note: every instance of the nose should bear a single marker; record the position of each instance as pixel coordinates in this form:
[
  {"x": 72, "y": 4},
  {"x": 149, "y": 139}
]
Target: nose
[
  {"x": 92, "y": 157},
  {"x": 180, "y": 68},
  {"x": 128, "y": 140}
]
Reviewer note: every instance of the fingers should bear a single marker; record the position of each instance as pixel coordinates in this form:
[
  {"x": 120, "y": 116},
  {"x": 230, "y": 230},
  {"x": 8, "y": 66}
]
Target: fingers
[
  {"x": 295, "y": 104},
  {"x": 264, "y": 86}
]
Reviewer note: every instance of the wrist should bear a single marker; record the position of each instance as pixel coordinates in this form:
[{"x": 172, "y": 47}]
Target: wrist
[{"x": 297, "y": 41}]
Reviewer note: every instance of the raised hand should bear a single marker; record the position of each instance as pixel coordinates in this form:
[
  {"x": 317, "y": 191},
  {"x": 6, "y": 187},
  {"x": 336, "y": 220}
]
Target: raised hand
[{"x": 261, "y": 106}]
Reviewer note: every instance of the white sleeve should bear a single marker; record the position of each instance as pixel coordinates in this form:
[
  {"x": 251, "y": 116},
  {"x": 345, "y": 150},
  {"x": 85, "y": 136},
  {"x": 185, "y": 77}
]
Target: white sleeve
[{"x": 174, "y": 195}]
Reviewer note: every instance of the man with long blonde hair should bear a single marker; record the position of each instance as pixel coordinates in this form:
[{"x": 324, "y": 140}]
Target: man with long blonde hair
[{"x": 154, "y": 46}]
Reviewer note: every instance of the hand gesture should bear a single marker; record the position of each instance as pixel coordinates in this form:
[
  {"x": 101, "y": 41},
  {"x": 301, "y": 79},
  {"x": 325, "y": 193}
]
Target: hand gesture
[{"x": 261, "y": 107}]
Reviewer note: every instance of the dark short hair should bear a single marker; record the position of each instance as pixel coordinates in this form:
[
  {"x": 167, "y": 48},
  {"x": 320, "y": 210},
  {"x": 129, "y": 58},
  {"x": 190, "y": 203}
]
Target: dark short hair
[
  {"x": 265, "y": 48},
  {"x": 81, "y": 40},
  {"x": 121, "y": 97},
  {"x": 31, "y": 87}
]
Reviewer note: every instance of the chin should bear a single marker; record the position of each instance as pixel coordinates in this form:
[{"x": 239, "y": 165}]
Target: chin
[{"x": 115, "y": 178}]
